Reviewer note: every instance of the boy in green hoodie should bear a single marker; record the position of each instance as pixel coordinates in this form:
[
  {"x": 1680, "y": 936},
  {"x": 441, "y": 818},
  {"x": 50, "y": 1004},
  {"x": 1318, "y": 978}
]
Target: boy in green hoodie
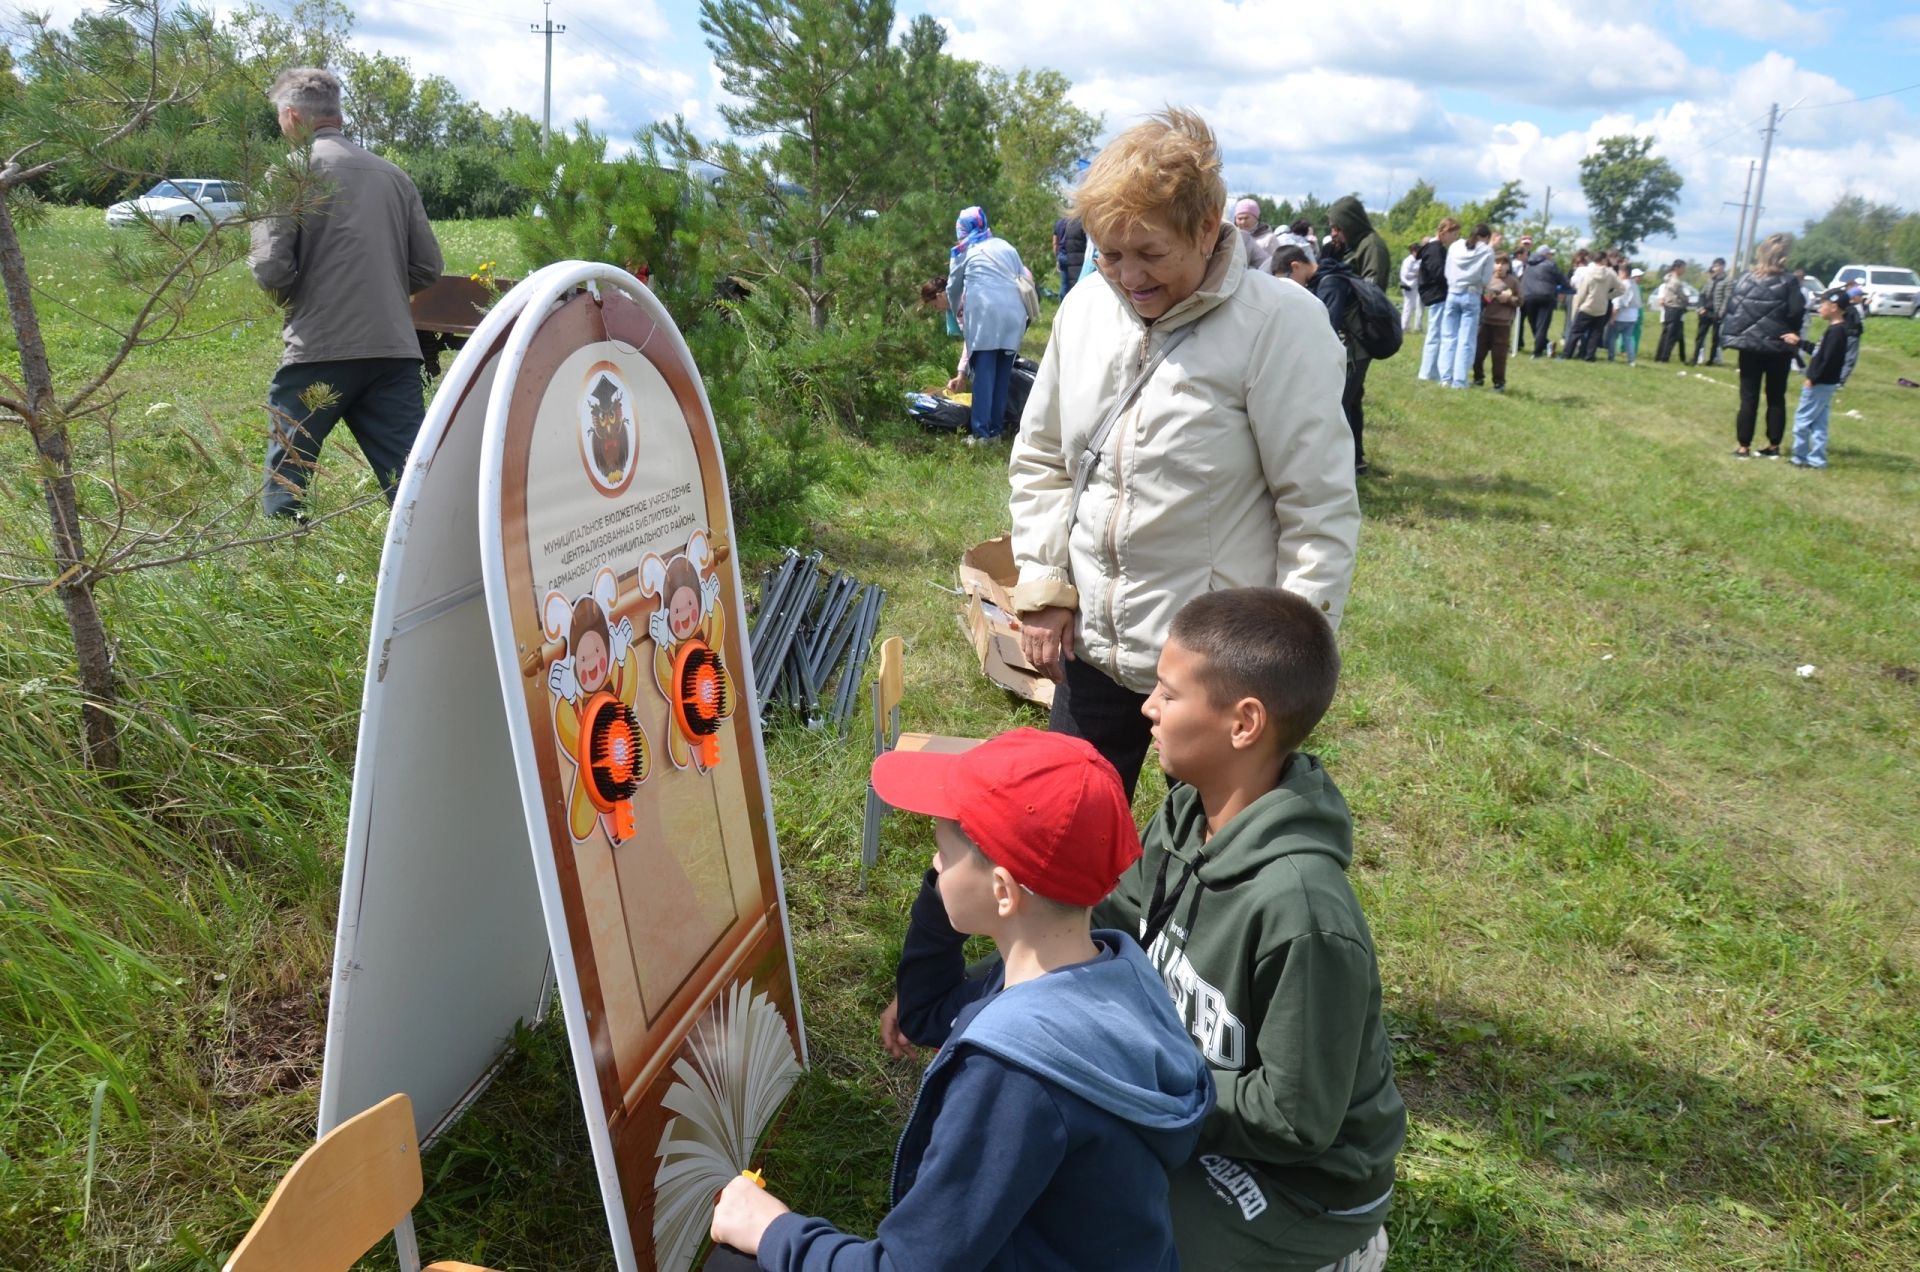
[{"x": 1242, "y": 902}]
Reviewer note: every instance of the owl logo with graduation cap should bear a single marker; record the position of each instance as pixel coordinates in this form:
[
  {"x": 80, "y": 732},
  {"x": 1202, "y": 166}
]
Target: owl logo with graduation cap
[{"x": 607, "y": 437}]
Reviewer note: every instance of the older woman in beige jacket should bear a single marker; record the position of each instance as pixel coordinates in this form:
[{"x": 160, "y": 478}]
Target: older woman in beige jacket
[{"x": 1231, "y": 465}]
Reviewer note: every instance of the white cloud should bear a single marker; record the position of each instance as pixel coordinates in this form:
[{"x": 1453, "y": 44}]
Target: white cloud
[
  {"x": 1778, "y": 19},
  {"x": 1549, "y": 52}
]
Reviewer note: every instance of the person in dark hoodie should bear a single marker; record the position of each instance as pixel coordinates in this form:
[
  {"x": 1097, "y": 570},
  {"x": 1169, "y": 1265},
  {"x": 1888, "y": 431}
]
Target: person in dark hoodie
[
  {"x": 1242, "y": 901},
  {"x": 1361, "y": 246},
  {"x": 1365, "y": 254},
  {"x": 1065, "y": 1087},
  {"x": 1330, "y": 279},
  {"x": 1539, "y": 296}
]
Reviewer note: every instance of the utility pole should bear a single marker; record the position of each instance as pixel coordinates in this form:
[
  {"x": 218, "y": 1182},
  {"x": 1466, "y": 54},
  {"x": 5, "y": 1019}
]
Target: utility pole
[
  {"x": 1740, "y": 235},
  {"x": 1546, "y": 215},
  {"x": 546, "y": 104},
  {"x": 1760, "y": 192}
]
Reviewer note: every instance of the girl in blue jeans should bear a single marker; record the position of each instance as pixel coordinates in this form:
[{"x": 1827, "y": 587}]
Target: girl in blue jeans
[{"x": 1469, "y": 267}]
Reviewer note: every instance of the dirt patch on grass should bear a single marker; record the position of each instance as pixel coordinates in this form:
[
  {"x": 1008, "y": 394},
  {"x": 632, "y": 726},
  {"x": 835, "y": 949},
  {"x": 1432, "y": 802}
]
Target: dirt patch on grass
[{"x": 273, "y": 1043}]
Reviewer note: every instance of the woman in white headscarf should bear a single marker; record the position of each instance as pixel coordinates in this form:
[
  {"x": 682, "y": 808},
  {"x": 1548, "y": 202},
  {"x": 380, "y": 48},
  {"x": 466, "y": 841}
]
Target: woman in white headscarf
[{"x": 983, "y": 286}]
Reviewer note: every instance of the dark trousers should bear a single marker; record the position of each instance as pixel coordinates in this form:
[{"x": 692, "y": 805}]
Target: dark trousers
[
  {"x": 1754, "y": 368},
  {"x": 1673, "y": 332},
  {"x": 1354, "y": 401},
  {"x": 992, "y": 377},
  {"x": 1495, "y": 340},
  {"x": 1069, "y": 275},
  {"x": 381, "y": 400},
  {"x": 1091, "y": 706},
  {"x": 1537, "y": 314},
  {"x": 1706, "y": 339},
  {"x": 1584, "y": 338}
]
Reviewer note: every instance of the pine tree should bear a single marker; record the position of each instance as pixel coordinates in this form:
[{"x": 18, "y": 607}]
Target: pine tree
[{"x": 815, "y": 76}]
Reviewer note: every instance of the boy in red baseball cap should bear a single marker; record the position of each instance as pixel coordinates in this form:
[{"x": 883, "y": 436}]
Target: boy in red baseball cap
[{"x": 1065, "y": 1087}]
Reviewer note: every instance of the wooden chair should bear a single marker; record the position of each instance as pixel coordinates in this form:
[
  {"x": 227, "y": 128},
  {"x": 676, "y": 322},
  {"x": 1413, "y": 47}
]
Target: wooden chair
[
  {"x": 357, "y": 1184},
  {"x": 889, "y": 683}
]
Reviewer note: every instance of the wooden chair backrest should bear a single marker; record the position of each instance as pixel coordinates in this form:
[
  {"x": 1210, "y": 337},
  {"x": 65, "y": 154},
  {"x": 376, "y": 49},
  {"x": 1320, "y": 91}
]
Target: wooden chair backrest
[
  {"x": 889, "y": 684},
  {"x": 343, "y": 1195}
]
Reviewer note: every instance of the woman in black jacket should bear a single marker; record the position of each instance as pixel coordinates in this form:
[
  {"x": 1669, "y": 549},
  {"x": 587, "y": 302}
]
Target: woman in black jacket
[{"x": 1763, "y": 323}]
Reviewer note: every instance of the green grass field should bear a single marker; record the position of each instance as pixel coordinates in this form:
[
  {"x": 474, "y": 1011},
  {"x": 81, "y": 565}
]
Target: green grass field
[{"x": 1645, "y": 896}]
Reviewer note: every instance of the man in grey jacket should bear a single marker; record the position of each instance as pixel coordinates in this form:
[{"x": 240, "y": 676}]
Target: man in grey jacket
[
  {"x": 342, "y": 266},
  {"x": 1713, "y": 307}
]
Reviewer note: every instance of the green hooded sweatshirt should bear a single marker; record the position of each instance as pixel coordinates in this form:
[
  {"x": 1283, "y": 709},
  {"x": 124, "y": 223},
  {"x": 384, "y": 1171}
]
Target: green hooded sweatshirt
[
  {"x": 1366, "y": 251},
  {"x": 1272, "y": 970}
]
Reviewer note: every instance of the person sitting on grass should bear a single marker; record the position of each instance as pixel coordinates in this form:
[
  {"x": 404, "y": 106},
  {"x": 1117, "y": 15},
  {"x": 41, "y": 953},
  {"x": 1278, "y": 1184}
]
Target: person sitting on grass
[
  {"x": 1824, "y": 372},
  {"x": 1243, "y": 903},
  {"x": 1065, "y": 1088}
]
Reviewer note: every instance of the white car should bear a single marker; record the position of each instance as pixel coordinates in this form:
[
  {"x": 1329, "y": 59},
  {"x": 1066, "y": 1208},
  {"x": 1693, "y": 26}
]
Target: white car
[
  {"x": 182, "y": 201},
  {"x": 1891, "y": 290}
]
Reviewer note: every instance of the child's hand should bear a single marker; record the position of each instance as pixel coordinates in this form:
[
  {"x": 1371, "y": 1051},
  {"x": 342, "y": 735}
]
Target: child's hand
[
  {"x": 892, "y": 1041},
  {"x": 741, "y": 1216}
]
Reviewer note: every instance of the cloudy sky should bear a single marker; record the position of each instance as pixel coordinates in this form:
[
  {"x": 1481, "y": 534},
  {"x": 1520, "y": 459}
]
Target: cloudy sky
[{"x": 1364, "y": 96}]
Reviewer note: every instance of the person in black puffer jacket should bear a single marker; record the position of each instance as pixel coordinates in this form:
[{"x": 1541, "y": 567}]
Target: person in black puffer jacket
[
  {"x": 1539, "y": 296},
  {"x": 1763, "y": 323}
]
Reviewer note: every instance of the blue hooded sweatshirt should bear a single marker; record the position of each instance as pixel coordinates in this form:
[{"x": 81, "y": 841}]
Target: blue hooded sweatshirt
[{"x": 1044, "y": 1128}]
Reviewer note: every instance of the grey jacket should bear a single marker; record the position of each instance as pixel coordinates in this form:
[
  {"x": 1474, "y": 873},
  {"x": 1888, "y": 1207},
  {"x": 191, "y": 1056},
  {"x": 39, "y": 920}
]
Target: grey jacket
[{"x": 344, "y": 266}]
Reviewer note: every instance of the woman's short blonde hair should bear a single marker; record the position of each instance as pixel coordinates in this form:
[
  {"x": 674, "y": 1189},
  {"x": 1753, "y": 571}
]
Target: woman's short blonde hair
[
  {"x": 1163, "y": 173},
  {"x": 1773, "y": 254}
]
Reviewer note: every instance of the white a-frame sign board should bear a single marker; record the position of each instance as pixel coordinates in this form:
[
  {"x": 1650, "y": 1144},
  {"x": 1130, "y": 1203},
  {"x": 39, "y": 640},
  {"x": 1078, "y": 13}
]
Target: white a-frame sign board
[{"x": 561, "y": 785}]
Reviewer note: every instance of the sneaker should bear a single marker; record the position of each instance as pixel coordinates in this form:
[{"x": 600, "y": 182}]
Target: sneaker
[
  {"x": 1771, "y": 452},
  {"x": 1360, "y": 466},
  {"x": 1741, "y": 452},
  {"x": 1797, "y": 462},
  {"x": 1499, "y": 388}
]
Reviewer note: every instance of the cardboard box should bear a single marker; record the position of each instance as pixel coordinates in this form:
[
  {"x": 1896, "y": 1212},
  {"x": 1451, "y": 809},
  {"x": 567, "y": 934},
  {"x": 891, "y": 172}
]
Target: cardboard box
[{"x": 987, "y": 576}]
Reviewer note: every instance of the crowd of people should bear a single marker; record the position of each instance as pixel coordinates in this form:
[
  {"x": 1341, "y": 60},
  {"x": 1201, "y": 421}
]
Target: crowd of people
[{"x": 1474, "y": 305}]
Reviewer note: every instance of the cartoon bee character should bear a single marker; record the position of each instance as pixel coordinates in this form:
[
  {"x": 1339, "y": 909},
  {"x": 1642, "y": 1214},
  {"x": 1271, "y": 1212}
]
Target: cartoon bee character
[
  {"x": 594, "y": 686},
  {"x": 689, "y": 630}
]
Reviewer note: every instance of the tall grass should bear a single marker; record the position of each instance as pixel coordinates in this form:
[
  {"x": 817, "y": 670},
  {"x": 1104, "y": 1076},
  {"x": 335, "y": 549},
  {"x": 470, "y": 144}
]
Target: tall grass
[{"x": 1645, "y": 896}]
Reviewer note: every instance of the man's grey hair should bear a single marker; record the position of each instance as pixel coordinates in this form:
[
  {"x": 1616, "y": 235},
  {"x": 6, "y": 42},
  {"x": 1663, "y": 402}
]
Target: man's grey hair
[{"x": 314, "y": 91}]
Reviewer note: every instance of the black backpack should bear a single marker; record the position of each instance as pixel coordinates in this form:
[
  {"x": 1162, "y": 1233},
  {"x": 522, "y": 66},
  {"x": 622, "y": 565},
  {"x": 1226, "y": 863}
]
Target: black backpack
[
  {"x": 1372, "y": 319},
  {"x": 1019, "y": 387},
  {"x": 939, "y": 414}
]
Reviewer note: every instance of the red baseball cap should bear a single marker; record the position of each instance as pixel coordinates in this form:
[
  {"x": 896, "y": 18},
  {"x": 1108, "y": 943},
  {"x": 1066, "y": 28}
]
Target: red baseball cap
[{"x": 1047, "y": 807}]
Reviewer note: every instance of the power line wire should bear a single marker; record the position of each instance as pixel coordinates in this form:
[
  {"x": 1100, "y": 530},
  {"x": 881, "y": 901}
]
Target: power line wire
[{"x": 1848, "y": 101}]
